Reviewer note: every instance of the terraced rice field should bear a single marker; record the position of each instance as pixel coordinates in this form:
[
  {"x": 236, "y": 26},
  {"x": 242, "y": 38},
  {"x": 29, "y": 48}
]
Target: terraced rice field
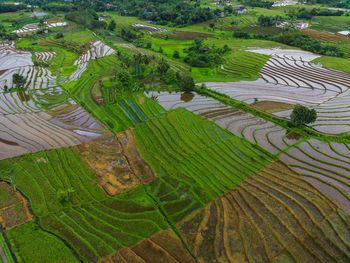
[
  {"x": 291, "y": 77},
  {"x": 45, "y": 56},
  {"x": 97, "y": 225},
  {"x": 40, "y": 115},
  {"x": 13, "y": 207},
  {"x": 32, "y": 28},
  {"x": 161, "y": 247},
  {"x": 267, "y": 135},
  {"x": 324, "y": 165},
  {"x": 274, "y": 216}
]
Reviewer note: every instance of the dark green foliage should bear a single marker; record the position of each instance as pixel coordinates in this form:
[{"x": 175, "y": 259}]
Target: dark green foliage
[
  {"x": 5, "y": 8},
  {"x": 163, "y": 67},
  {"x": 185, "y": 82},
  {"x": 87, "y": 18},
  {"x": 269, "y": 20},
  {"x": 59, "y": 35},
  {"x": 302, "y": 115},
  {"x": 18, "y": 80},
  {"x": 112, "y": 25},
  {"x": 176, "y": 54},
  {"x": 304, "y": 13},
  {"x": 241, "y": 34},
  {"x": 129, "y": 34},
  {"x": 200, "y": 55},
  {"x": 297, "y": 39},
  {"x": 259, "y": 3}
]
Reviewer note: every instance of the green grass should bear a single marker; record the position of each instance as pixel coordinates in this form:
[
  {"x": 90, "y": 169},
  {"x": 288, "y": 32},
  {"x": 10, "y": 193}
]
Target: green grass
[
  {"x": 341, "y": 64},
  {"x": 331, "y": 23},
  {"x": 21, "y": 18},
  {"x": 35, "y": 245},
  {"x": 54, "y": 170},
  {"x": 198, "y": 152}
]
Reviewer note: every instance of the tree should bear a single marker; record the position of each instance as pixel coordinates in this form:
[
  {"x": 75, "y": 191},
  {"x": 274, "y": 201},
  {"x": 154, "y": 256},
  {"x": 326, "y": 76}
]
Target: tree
[
  {"x": 112, "y": 25},
  {"x": 185, "y": 82},
  {"x": 302, "y": 115},
  {"x": 18, "y": 80},
  {"x": 59, "y": 35},
  {"x": 176, "y": 54},
  {"x": 66, "y": 196},
  {"x": 163, "y": 67}
]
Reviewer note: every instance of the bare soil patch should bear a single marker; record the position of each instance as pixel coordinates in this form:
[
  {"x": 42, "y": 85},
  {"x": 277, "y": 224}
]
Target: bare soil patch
[
  {"x": 13, "y": 207},
  {"x": 161, "y": 247},
  {"x": 117, "y": 162},
  {"x": 271, "y": 106},
  {"x": 325, "y": 36}
]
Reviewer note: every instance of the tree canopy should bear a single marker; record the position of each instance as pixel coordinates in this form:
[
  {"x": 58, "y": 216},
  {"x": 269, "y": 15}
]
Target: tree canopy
[{"x": 302, "y": 115}]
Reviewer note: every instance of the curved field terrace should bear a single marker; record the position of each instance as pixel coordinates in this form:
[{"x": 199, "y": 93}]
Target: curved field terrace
[
  {"x": 40, "y": 115},
  {"x": 123, "y": 139}
]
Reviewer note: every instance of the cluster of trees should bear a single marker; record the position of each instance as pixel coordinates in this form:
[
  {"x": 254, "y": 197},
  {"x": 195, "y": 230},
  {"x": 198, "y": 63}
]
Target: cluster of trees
[
  {"x": 88, "y": 18},
  {"x": 335, "y": 3},
  {"x": 137, "y": 69},
  {"x": 5, "y": 8},
  {"x": 18, "y": 81},
  {"x": 307, "y": 43},
  {"x": 296, "y": 39},
  {"x": 175, "y": 12},
  {"x": 266, "y": 21},
  {"x": 259, "y": 3},
  {"x": 200, "y": 55},
  {"x": 4, "y": 35},
  {"x": 304, "y": 13}
]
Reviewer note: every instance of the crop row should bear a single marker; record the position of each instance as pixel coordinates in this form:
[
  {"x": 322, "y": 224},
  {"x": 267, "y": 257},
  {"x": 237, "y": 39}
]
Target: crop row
[{"x": 272, "y": 216}]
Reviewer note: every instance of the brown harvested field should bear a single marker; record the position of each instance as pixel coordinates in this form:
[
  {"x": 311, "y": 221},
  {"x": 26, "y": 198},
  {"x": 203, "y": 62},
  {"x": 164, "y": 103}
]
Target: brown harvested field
[
  {"x": 271, "y": 106},
  {"x": 325, "y": 36},
  {"x": 274, "y": 216},
  {"x": 186, "y": 35},
  {"x": 117, "y": 162},
  {"x": 13, "y": 207},
  {"x": 163, "y": 247}
]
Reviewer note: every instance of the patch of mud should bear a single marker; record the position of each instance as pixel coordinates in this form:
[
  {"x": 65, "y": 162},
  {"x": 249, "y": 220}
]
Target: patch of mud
[
  {"x": 9, "y": 142},
  {"x": 187, "y": 96},
  {"x": 117, "y": 162},
  {"x": 271, "y": 106},
  {"x": 14, "y": 209}
]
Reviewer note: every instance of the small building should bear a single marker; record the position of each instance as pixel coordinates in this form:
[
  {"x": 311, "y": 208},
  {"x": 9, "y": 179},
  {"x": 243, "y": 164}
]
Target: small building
[
  {"x": 301, "y": 25},
  {"x": 344, "y": 33},
  {"x": 242, "y": 10},
  {"x": 282, "y": 24}
]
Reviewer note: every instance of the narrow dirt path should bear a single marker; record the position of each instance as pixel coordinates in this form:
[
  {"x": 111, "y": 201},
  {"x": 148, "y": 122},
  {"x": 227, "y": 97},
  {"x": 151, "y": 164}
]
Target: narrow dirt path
[{"x": 2, "y": 255}]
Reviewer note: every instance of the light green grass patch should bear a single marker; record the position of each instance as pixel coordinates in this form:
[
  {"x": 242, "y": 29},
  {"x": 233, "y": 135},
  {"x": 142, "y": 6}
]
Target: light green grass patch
[
  {"x": 35, "y": 245},
  {"x": 341, "y": 64}
]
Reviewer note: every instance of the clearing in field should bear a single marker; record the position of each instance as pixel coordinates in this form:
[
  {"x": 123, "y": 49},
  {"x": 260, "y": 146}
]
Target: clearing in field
[{"x": 117, "y": 162}]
